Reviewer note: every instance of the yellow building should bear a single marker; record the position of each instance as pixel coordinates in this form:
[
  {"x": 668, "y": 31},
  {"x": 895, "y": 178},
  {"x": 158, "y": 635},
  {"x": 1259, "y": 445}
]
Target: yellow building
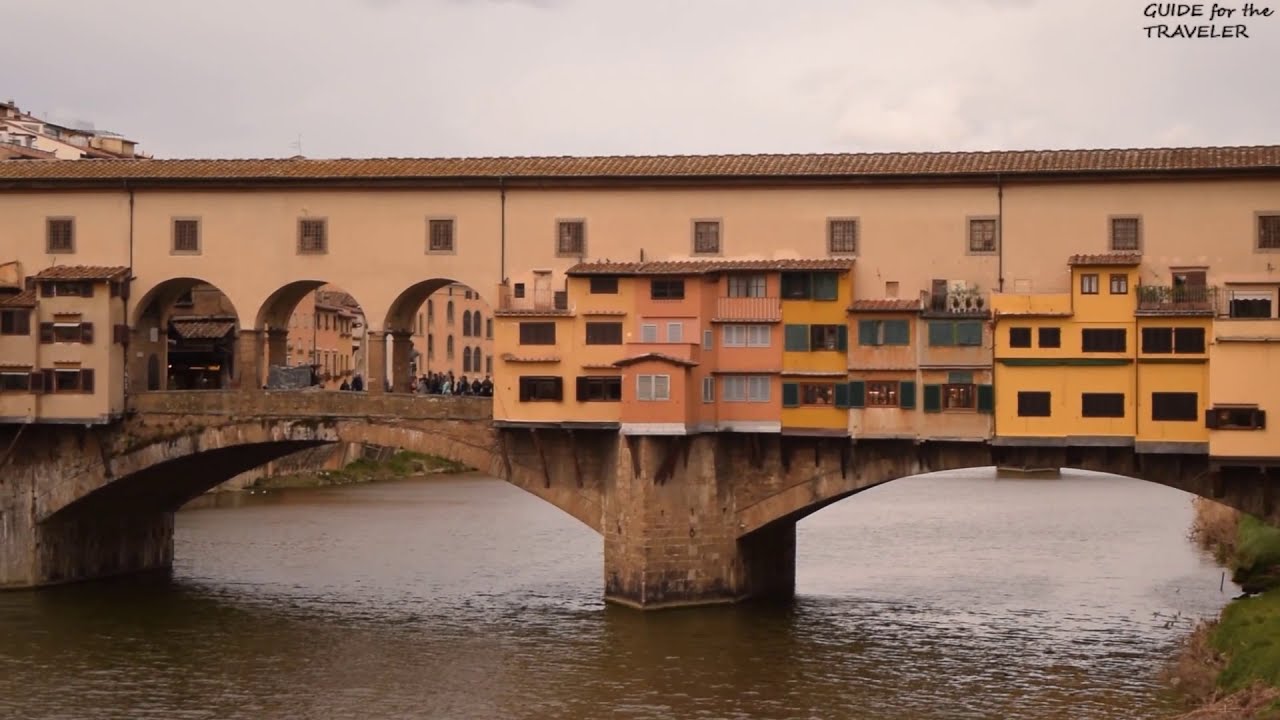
[
  {"x": 1244, "y": 362},
  {"x": 815, "y": 363}
]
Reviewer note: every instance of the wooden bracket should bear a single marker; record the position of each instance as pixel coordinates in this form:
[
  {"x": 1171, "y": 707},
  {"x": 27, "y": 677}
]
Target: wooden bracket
[
  {"x": 573, "y": 452},
  {"x": 537, "y": 443},
  {"x": 675, "y": 447},
  {"x": 504, "y": 442},
  {"x": 633, "y": 450},
  {"x": 845, "y": 452},
  {"x": 784, "y": 453}
]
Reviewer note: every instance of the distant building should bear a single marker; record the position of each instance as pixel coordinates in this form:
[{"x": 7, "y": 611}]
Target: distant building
[
  {"x": 453, "y": 333},
  {"x": 26, "y": 137},
  {"x": 321, "y": 334}
]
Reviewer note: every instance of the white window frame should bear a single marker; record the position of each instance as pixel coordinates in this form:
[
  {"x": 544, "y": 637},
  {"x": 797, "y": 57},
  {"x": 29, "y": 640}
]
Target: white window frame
[
  {"x": 758, "y": 388},
  {"x": 708, "y": 340},
  {"x": 708, "y": 389},
  {"x": 675, "y": 332},
  {"x": 758, "y": 331},
  {"x": 648, "y": 333},
  {"x": 653, "y": 387},
  {"x": 733, "y": 388}
]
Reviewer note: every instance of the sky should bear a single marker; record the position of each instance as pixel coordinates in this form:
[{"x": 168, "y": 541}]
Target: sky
[{"x": 383, "y": 78}]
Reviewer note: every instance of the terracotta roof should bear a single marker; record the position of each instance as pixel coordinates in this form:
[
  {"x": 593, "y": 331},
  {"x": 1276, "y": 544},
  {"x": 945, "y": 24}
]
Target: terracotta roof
[
  {"x": 885, "y": 305},
  {"x": 26, "y": 298},
  {"x": 836, "y": 165},
  {"x": 532, "y": 312},
  {"x": 203, "y": 329},
  {"x": 702, "y": 267},
  {"x": 1112, "y": 259},
  {"x": 655, "y": 356},
  {"x": 530, "y": 359},
  {"x": 82, "y": 272}
]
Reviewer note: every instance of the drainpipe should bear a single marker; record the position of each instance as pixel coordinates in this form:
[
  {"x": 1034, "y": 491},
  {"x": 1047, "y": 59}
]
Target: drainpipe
[
  {"x": 502, "y": 221},
  {"x": 1000, "y": 232},
  {"x": 125, "y": 295}
]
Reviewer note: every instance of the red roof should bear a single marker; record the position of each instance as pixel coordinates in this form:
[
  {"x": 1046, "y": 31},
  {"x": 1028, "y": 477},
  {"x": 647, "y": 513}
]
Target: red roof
[
  {"x": 835, "y": 165},
  {"x": 26, "y": 298},
  {"x": 702, "y": 267},
  {"x": 885, "y": 305},
  {"x": 82, "y": 272},
  {"x": 1105, "y": 259},
  {"x": 203, "y": 329},
  {"x": 662, "y": 357}
]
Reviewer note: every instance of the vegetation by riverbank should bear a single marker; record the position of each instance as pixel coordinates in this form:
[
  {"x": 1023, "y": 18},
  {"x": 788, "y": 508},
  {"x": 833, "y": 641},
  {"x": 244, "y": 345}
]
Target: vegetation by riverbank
[
  {"x": 400, "y": 465},
  {"x": 1230, "y": 667}
]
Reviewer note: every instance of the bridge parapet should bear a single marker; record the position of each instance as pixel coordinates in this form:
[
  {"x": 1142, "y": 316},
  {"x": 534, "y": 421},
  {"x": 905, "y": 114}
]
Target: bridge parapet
[{"x": 310, "y": 404}]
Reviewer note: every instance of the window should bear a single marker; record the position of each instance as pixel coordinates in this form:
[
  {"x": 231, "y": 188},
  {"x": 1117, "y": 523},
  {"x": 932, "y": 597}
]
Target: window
[
  {"x": 746, "y": 336},
  {"x": 1125, "y": 233},
  {"x": 15, "y": 381},
  {"x": 708, "y": 340},
  {"x": 66, "y": 289},
  {"x": 15, "y": 322},
  {"x": 945, "y": 333},
  {"x": 1020, "y": 337},
  {"x": 1089, "y": 284},
  {"x": 653, "y": 387},
  {"x": 810, "y": 285},
  {"x": 817, "y": 394},
  {"x": 541, "y": 389},
  {"x": 312, "y": 236},
  {"x": 1250, "y": 304},
  {"x": 666, "y": 289},
  {"x": 431, "y": 311},
  {"x": 1119, "y": 284},
  {"x": 604, "y": 285},
  {"x": 186, "y": 236},
  {"x": 186, "y": 299},
  {"x": 1174, "y": 406},
  {"x": 649, "y": 333},
  {"x": 1237, "y": 417},
  {"x": 599, "y": 388},
  {"x": 1269, "y": 232},
  {"x": 440, "y": 235},
  {"x": 488, "y": 364},
  {"x": 604, "y": 333},
  {"x": 1188, "y": 340},
  {"x": 448, "y": 312},
  {"x": 706, "y": 237},
  {"x": 959, "y": 396},
  {"x": 518, "y": 290},
  {"x": 571, "y": 237},
  {"x": 708, "y": 389},
  {"x": 882, "y": 394},
  {"x": 982, "y": 235},
  {"x": 884, "y": 332},
  {"x": 1157, "y": 340},
  {"x": 827, "y": 337},
  {"x": 537, "y": 333},
  {"x": 745, "y": 388},
  {"x": 60, "y": 235},
  {"x": 842, "y": 236},
  {"x": 675, "y": 332},
  {"x": 747, "y": 285},
  {"x": 1103, "y": 340},
  {"x": 66, "y": 332},
  {"x": 1102, "y": 405},
  {"x": 69, "y": 380},
  {"x": 466, "y": 360},
  {"x": 488, "y": 328},
  {"x": 466, "y": 323},
  {"x": 1033, "y": 404}
]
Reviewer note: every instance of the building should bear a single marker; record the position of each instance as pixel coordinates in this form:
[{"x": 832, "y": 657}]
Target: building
[
  {"x": 26, "y": 137},
  {"x": 453, "y": 333},
  {"x": 321, "y": 333}
]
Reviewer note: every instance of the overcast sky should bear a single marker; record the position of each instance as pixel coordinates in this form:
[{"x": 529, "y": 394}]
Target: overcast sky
[{"x": 246, "y": 78}]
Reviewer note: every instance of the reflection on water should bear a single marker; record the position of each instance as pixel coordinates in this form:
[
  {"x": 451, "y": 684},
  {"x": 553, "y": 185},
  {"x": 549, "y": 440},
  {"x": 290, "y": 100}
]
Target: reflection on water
[{"x": 949, "y": 596}]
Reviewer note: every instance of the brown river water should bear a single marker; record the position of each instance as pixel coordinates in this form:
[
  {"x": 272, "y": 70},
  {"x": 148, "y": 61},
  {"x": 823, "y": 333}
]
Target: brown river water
[{"x": 951, "y": 596}]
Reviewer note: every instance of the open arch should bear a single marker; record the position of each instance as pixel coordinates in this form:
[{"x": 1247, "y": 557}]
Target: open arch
[
  {"x": 425, "y": 330},
  {"x": 316, "y": 325},
  {"x": 185, "y": 332}
]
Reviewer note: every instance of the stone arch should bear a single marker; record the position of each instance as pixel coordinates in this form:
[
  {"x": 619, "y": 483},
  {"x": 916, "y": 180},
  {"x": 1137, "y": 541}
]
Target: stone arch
[
  {"x": 184, "y": 336},
  {"x": 329, "y": 340}
]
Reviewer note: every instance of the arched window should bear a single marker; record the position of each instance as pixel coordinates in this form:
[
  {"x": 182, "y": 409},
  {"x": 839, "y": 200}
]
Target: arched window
[
  {"x": 431, "y": 311},
  {"x": 488, "y": 365},
  {"x": 466, "y": 359},
  {"x": 448, "y": 348},
  {"x": 475, "y": 359},
  {"x": 488, "y": 328},
  {"x": 431, "y": 346},
  {"x": 448, "y": 313},
  {"x": 466, "y": 323}
]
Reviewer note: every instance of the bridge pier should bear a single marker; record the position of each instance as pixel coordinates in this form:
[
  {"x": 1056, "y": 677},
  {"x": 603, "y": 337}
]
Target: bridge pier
[
  {"x": 376, "y": 352},
  {"x": 248, "y": 369},
  {"x": 401, "y": 348}
]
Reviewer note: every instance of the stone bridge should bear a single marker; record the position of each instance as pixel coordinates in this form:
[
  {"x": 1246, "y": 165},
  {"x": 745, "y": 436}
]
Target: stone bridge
[{"x": 685, "y": 520}]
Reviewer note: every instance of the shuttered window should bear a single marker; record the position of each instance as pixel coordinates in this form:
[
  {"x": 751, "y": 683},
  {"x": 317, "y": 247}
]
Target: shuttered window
[
  {"x": 1175, "y": 406},
  {"x": 1102, "y": 405},
  {"x": 1033, "y": 404},
  {"x": 541, "y": 389},
  {"x": 604, "y": 333}
]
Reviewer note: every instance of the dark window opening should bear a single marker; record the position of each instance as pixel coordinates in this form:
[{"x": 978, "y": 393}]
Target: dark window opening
[
  {"x": 1050, "y": 337},
  {"x": 666, "y": 289},
  {"x": 540, "y": 389},
  {"x": 604, "y": 285},
  {"x": 1020, "y": 337},
  {"x": 1103, "y": 340},
  {"x": 1175, "y": 406},
  {"x": 604, "y": 333},
  {"x": 537, "y": 333},
  {"x": 1033, "y": 404},
  {"x": 1236, "y": 418},
  {"x": 599, "y": 389},
  {"x": 1102, "y": 405}
]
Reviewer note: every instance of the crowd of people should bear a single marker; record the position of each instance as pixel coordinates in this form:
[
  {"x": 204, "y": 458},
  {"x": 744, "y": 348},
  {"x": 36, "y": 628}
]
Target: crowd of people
[{"x": 432, "y": 384}]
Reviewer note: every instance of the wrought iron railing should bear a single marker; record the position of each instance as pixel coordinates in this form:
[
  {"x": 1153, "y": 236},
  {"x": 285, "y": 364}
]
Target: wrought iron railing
[{"x": 1178, "y": 298}]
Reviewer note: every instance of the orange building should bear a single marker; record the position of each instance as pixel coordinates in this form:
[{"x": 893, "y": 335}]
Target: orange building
[
  {"x": 321, "y": 333},
  {"x": 453, "y": 333}
]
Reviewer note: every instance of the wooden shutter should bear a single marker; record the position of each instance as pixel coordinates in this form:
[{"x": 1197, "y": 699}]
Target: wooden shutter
[
  {"x": 46, "y": 289},
  {"x": 932, "y": 398},
  {"x": 37, "y": 382},
  {"x": 842, "y": 337},
  {"x": 826, "y": 286},
  {"x": 86, "y": 289},
  {"x": 1211, "y": 419},
  {"x": 582, "y": 389},
  {"x": 1260, "y": 419},
  {"x": 842, "y": 395},
  {"x": 86, "y": 333},
  {"x": 907, "y": 395},
  {"x": 46, "y": 333},
  {"x": 86, "y": 380},
  {"x": 942, "y": 333},
  {"x": 790, "y": 395},
  {"x": 120, "y": 334},
  {"x": 857, "y": 394},
  {"x": 796, "y": 338},
  {"x": 50, "y": 381},
  {"x": 969, "y": 333},
  {"x": 559, "y": 387},
  {"x": 868, "y": 332},
  {"x": 986, "y": 399}
]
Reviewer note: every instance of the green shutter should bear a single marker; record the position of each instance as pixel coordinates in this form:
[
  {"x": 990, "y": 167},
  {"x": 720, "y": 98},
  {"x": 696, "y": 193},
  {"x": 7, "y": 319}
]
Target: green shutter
[
  {"x": 842, "y": 395},
  {"x": 969, "y": 333},
  {"x": 842, "y": 337},
  {"x": 907, "y": 395},
  {"x": 897, "y": 332},
  {"x": 826, "y": 286},
  {"x": 932, "y": 398},
  {"x": 796, "y": 338},
  {"x": 868, "y": 332},
  {"x": 857, "y": 394},
  {"x": 986, "y": 399},
  {"x": 790, "y": 394},
  {"x": 942, "y": 333}
]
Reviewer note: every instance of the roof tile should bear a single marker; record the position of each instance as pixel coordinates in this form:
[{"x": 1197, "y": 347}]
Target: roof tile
[
  {"x": 203, "y": 329},
  {"x": 654, "y": 356},
  {"x": 885, "y": 305},
  {"x": 1105, "y": 259},
  {"x": 703, "y": 267},
  {"x": 82, "y": 272},
  {"x": 26, "y": 298}
]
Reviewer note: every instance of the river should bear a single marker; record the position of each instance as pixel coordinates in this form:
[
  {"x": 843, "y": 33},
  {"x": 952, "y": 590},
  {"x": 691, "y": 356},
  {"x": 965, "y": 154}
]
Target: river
[{"x": 950, "y": 596}]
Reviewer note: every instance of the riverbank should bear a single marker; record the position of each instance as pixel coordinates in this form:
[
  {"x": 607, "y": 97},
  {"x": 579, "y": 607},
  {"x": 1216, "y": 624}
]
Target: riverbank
[
  {"x": 400, "y": 465},
  {"x": 1230, "y": 667}
]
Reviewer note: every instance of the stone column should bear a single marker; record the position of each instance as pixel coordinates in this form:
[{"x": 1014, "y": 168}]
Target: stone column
[
  {"x": 670, "y": 530},
  {"x": 277, "y": 347},
  {"x": 401, "y": 347},
  {"x": 376, "y": 351},
  {"x": 248, "y": 370}
]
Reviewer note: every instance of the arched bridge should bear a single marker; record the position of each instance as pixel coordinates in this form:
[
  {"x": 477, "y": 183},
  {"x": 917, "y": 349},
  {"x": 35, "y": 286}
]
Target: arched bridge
[{"x": 685, "y": 520}]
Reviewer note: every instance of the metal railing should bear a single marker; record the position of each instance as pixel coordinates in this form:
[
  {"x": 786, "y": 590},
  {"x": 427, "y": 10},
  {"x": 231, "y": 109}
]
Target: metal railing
[
  {"x": 955, "y": 303},
  {"x": 1196, "y": 299}
]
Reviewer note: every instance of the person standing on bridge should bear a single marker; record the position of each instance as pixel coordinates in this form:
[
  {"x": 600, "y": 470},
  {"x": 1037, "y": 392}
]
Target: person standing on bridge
[{"x": 357, "y": 383}]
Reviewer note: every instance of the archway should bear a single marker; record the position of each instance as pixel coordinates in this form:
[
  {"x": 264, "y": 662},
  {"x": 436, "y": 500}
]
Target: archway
[
  {"x": 440, "y": 329},
  {"x": 185, "y": 334},
  {"x": 315, "y": 334}
]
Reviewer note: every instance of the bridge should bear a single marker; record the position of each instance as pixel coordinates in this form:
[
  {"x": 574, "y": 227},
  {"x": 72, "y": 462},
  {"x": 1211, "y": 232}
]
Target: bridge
[{"x": 685, "y": 520}]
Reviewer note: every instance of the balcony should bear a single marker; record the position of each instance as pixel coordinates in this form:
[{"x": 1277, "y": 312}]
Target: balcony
[
  {"x": 955, "y": 303},
  {"x": 534, "y": 300},
  {"x": 748, "y": 309},
  {"x": 1177, "y": 300}
]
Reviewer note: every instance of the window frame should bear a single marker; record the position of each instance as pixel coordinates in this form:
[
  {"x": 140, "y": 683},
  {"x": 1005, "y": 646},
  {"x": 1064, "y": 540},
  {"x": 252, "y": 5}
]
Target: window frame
[
  {"x": 1056, "y": 333},
  {"x": 669, "y": 283},
  {"x": 1118, "y": 280},
  {"x": 752, "y": 283},
  {"x": 1088, "y": 280},
  {"x": 452, "y": 221},
  {"x": 600, "y": 326},
  {"x": 561, "y": 224},
  {"x": 1086, "y": 333},
  {"x": 969, "y": 224},
  {"x": 708, "y": 389},
  {"x": 173, "y": 235},
  {"x": 832, "y": 222},
  {"x": 323, "y": 224},
  {"x": 693, "y": 235},
  {"x": 677, "y": 337},
  {"x": 1105, "y": 411},
  {"x": 886, "y": 394},
  {"x": 1016, "y": 339},
  {"x": 534, "y": 327},
  {"x": 1167, "y": 397},
  {"x": 1260, "y": 218},
  {"x": 534, "y": 382},
  {"x": 653, "y": 394},
  {"x": 49, "y": 221},
  {"x": 1026, "y": 398},
  {"x": 966, "y": 389},
  {"x": 1111, "y": 233},
  {"x": 598, "y": 285},
  {"x": 17, "y": 320},
  {"x": 818, "y": 388},
  {"x": 592, "y": 383}
]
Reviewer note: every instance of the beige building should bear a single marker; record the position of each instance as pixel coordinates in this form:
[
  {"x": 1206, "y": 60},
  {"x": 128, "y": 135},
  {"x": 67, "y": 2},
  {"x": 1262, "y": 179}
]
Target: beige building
[
  {"x": 321, "y": 333},
  {"x": 26, "y": 137},
  {"x": 453, "y": 332}
]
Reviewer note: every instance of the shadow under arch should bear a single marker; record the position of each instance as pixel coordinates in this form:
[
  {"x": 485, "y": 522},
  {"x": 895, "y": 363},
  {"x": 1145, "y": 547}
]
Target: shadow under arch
[{"x": 184, "y": 335}]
